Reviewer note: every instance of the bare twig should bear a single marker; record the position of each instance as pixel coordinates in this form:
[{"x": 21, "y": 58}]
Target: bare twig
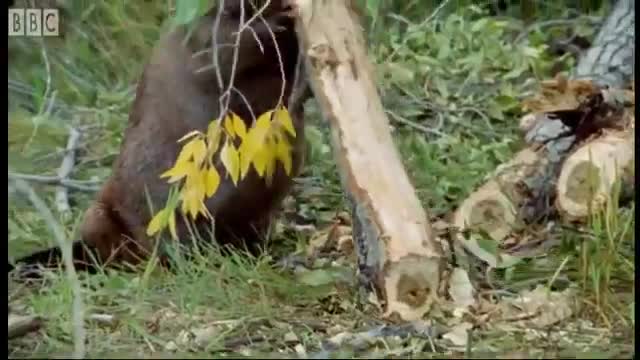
[
  {"x": 214, "y": 53},
  {"x": 246, "y": 102},
  {"x": 414, "y": 125},
  {"x": 555, "y": 22},
  {"x": 277, "y": 48},
  {"x": 235, "y": 62},
  {"x": 81, "y": 185},
  {"x": 65, "y": 246},
  {"x": 243, "y": 340},
  {"x": 423, "y": 23},
  {"x": 434, "y": 13},
  {"x": 47, "y": 88},
  {"x": 62, "y": 196},
  {"x": 225, "y": 98}
]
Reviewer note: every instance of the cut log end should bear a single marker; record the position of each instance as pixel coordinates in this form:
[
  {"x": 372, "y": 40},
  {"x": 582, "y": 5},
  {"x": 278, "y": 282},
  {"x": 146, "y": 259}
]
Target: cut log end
[
  {"x": 589, "y": 175},
  {"x": 493, "y": 207},
  {"x": 411, "y": 287},
  {"x": 493, "y": 215},
  {"x": 488, "y": 210}
]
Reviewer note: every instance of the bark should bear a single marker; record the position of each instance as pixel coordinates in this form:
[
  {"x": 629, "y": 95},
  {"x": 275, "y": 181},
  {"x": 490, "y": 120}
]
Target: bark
[
  {"x": 610, "y": 60},
  {"x": 398, "y": 257}
]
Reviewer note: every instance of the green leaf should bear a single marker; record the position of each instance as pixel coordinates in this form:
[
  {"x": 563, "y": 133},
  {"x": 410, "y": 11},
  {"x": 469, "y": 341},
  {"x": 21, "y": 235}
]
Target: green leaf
[
  {"x": 318, "y": 277},
  {"x": 158, "y": 222},
  {"x": 479, "y": 25},
  {"x": 494, "y": 111},
  {"x": 441, "y": 85},
  {"x": 188, "y": 10},
  {"x": 489, "y": 245}
]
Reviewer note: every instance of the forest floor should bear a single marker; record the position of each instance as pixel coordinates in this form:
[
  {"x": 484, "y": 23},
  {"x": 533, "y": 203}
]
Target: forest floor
[{"x": 453, "y": 99}]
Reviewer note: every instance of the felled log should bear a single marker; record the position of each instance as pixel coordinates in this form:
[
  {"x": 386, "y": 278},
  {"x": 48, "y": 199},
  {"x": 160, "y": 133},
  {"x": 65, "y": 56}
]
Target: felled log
[
  {"x": 21, "y": 325},
  {"x": 568, "y": 114},
  {"x": 589, "y": 175},
  {"x": 494, "y": 208},
  {"x": 398, "y": 256}
]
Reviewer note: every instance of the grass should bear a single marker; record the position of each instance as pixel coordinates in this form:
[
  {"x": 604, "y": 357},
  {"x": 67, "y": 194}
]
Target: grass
[{"x": 467, "y": 100}]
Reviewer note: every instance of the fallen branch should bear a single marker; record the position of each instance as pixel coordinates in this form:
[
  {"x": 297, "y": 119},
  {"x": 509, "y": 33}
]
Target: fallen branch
[
  {"x": 398, "y": 256},
  {"x": 62, "y": 195},
  {"x": 80, "y": 185},
  {"x": 21, "y": 325},
  {"x": 103, "y": 319},
  {"x": 361, "y": 341},
  {"x": 58, "y": 235}
]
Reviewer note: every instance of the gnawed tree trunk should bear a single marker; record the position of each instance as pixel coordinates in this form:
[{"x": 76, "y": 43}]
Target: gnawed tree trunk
[
  {"x": 551, "y": 170},
  {"x": 399, "y": 259}
]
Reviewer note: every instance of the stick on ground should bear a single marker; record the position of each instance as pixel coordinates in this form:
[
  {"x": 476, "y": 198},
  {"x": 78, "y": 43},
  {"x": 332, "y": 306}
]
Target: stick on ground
[
  {"x": 68, "y": 162},
  {"x": 22, "y": 325}
]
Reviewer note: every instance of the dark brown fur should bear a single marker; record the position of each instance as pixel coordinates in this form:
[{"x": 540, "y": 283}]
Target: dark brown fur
[{"x": 172, "y": 100}]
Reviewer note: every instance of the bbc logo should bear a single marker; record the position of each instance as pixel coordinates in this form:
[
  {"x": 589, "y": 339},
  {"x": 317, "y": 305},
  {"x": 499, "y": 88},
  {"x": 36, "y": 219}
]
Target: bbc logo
[{"x": 33, "y": 22}]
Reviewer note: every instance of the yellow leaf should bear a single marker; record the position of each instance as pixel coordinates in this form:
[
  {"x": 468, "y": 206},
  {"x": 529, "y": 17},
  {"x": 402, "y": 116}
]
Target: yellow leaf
[
  {"x": 260, "y": 159},
  {"x": 186, "y": 153},
  {"x": 261, "y": 127},
  {"x": 180, "y": 170},
  {"x": 270, "y": 170},
  {"x": 193, "y": 148},
  {"x": 193, "y": 193},
  {"x": 189, "y": 134},
  {"x": 248, "y": 149},
  {"x": 283, "y": 153},
  {"x": 213, "y": 136},
  {"x": 239, "y": 127},
  {"x": 245, "y": 157},
  {"x": 272, "y": 148},
  {"x": 283, "y": 118},
  {"x": 157, "y": 223},
  {"x": 191, "y": 202},
  {"x": 253, "y": 142},
  {"x": 212, "y": 181},
  {"x": 228, "y": 125},
  {"x": 184, "y": 207},
  {"x": 199, "y": 151},
  {"x": 231, "y": 161},
  {"x": 172, "y": 225}
]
